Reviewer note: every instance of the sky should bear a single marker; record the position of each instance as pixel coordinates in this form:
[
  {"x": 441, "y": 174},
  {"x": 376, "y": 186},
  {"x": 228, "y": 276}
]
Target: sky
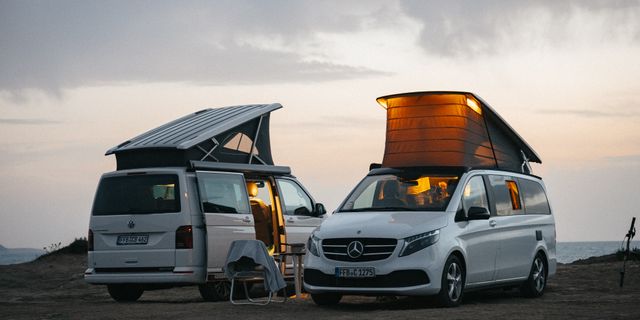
[{"x": 79, "y": 77}]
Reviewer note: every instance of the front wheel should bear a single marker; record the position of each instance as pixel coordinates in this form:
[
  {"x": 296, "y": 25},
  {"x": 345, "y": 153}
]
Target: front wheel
[
  {"x": 125, "y": 292},
  {"x": 326, "y": 299},
  {"x": 537, "y": 281},
  {"x": 452, "y": 283}
]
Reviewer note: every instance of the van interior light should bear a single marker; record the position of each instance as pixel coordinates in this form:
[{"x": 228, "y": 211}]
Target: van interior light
[
  {"x": 473, "y": 104},
  {"x": 382, "y": 102},
  {"x": 467, "y": 190}
]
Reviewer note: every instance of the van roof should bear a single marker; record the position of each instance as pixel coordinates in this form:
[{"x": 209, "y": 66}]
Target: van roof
[
  {"x": 450, "y": 128},
  {"x": 241, "y": 131}
]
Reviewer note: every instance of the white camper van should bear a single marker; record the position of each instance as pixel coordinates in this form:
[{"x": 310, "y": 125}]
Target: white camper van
[
  {"x": 453, "y": 207},
  {"x": 182, "y": 193}
]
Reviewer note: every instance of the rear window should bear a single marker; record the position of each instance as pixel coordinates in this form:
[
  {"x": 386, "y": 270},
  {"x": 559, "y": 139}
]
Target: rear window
[{"x": 141, "y": 194}]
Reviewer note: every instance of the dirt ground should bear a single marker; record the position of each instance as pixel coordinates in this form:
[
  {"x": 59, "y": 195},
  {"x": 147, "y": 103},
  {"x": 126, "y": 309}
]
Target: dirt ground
[{"x": 53, "y": 288}]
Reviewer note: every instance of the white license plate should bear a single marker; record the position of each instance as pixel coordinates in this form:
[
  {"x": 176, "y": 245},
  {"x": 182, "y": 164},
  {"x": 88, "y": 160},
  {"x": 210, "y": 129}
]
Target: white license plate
[
  {"x": 127, "y": 239},
  {"x": 355, "y": 272}
]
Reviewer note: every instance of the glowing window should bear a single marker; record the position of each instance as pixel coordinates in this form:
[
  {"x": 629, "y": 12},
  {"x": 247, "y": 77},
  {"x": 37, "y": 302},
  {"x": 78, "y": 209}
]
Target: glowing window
[{"x": 514, "y": 194}]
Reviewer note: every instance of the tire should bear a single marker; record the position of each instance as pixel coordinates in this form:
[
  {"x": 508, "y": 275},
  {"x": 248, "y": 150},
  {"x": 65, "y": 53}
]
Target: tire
[
  {"x": 215, "y": 291},
  {"x": 452, "y": 283},
  {"x": 326, "y": 299},
  {"x": 537, "y": 281},
  {"x": 125, "y": 292}
]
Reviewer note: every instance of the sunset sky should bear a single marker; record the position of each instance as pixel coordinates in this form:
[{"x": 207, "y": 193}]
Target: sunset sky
[{"x": 79, "y": 77}]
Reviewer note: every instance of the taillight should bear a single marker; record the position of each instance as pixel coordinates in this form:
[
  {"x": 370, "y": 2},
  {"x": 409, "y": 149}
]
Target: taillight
[
  {"x": 90, "y": 241},
  {"x": 184, "y": 237}
]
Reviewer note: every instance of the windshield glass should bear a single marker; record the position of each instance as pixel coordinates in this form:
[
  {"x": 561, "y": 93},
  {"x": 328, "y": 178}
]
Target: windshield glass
[
  {"x": 139, "y": 194},
  {"x": 402, "y": 192}
]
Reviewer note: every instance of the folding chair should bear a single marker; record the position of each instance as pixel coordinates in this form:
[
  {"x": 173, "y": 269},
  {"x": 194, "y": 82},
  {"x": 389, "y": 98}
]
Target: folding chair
[{"x": 249, "y": 261}]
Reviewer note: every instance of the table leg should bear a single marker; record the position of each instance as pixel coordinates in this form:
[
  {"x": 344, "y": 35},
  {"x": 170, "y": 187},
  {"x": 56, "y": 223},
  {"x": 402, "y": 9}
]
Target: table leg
[{"x": 297, "y": 265}]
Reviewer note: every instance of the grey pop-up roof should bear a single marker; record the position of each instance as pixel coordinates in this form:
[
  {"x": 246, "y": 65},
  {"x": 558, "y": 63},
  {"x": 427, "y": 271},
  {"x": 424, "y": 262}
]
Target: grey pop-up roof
[{"x": 237, "y": 134}]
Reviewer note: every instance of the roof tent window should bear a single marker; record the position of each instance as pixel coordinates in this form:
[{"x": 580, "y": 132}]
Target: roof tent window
[{"x": 240, "y": 142}]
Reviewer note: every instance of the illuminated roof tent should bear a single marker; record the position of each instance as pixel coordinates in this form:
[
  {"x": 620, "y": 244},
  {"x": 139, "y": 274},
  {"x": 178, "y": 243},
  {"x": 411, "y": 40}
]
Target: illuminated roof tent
[{"x": 450, "y": 129}]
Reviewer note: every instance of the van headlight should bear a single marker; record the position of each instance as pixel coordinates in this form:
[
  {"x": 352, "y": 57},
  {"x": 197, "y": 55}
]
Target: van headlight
[
  {"x": 314, "y": 244},
  {"x": 419, "y": 241}
]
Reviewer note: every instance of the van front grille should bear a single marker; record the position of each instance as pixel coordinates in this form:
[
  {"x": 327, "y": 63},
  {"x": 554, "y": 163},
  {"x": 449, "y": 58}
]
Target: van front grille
[{"x": 372, "y": 249}]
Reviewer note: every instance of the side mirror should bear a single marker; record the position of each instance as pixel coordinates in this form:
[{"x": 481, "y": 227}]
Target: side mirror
[
  {"x": 319, "y": 210},
  {"x": 478, "y": 213}
]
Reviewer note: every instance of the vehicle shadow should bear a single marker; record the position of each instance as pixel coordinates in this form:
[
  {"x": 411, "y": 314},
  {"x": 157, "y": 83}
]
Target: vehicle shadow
[{"x": 491, "y": 296}]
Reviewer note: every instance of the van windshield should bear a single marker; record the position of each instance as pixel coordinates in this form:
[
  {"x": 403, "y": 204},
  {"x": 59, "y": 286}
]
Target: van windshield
[
  {"x": 402, "y": 192},
  {"x": 139, "y": 194}
]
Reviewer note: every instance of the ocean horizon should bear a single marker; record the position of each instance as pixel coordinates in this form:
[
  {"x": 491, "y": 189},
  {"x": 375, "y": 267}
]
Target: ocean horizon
[{"x": 566, "y": 252}]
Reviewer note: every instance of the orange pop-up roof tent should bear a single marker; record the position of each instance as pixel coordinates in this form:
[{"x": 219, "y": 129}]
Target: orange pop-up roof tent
[{"x": 450, "y": 129}]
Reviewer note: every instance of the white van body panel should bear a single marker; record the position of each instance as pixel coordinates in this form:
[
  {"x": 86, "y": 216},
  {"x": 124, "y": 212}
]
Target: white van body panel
[
  {"x": 496, "y": 251},
  {"x": 158, "y": 261}
]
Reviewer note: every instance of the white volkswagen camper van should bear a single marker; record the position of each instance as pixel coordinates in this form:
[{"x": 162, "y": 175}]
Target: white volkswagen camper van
[
  {"x": 453, "y": 207},
  {"x": 182, "y": 193}
]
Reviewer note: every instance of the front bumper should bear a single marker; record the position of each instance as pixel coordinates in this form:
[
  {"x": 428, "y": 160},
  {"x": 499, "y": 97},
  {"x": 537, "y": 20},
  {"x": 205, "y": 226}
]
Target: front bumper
[{"x": 414, "y": 275}]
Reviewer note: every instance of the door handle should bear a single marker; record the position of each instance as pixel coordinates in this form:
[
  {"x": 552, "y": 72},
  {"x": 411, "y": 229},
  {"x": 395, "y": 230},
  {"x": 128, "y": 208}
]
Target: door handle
[
  {"x": 246, "y": 219},
  {"x": 492, "y": 223},
  {"x": 291, "y": 220}
]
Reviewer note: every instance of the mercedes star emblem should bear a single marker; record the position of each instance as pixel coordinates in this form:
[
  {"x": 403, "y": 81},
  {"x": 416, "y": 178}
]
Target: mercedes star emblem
[{"x": 355, "y": 249}]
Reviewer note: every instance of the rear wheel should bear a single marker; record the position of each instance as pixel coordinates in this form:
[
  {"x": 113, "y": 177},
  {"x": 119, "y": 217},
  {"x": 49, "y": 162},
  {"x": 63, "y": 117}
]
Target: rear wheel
[
  {"x": 326, "y": 299},
  {"x": 125, "y": 292},
  {"x": 537, "y": 281},
  {"x": 452, "y": 283},
  {"x": 215, "y": 291}
]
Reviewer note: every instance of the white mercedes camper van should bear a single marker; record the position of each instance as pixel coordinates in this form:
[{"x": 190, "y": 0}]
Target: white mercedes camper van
[
  {"x": 182, "y": 193},
  {"x": 453, "y": 207}
]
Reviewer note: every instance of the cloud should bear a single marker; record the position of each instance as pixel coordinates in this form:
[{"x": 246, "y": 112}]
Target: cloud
[
  {"x": 470, "y": 28},
  {"x": 590, "y": 113},
  {"x": 633, "y": 159},
  {"x": 335, "y": 122},
  {"x": 66, "y": 44},
  {"x": 27, "y": 121}
]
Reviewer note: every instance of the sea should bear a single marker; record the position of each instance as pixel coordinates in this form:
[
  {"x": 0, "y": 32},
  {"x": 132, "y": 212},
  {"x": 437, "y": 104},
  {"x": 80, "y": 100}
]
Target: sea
[
  {"x": 22, "y": 255},
  {"x": 566, "y": 252}
]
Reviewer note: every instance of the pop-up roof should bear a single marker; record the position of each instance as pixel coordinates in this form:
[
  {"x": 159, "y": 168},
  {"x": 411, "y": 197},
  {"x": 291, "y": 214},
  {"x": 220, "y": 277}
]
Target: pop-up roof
[
  {"x": 238, "y": 134},
  {"x": 450, "y": 129}
]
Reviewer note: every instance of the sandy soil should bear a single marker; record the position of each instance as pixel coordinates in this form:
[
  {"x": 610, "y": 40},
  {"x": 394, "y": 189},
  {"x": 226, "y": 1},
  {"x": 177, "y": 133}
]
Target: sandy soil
[{"x": 53, "y": 288}]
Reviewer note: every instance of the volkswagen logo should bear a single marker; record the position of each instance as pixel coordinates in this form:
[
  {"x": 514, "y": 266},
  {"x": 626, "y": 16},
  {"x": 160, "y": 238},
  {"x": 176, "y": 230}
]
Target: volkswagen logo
[
  {"x": 355, "y": 249},
  {"x": 131, "y": 224}
]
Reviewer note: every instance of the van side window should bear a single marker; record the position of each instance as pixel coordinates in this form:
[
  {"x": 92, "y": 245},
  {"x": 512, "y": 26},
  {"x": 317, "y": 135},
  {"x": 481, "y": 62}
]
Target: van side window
[
  {"x": 535, "y": 199},
  {"x": 296, "y": 201},
  {"x": 475, "y": 195},
  {"x": 223, "y": 193},
  {"x": 506, "y": 195}
]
